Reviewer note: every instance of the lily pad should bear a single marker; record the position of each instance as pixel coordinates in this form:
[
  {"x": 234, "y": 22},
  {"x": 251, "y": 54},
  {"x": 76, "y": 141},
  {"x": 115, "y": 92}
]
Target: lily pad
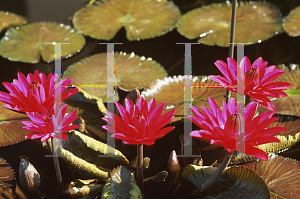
[
  {"x": 130, "y": 72},
  {"x": 171, "y": 91},
  {"x": 121, "y": 184},
  {"x": 6, "y": 174},
  {"x": 89, "y": 149},
  {"x": 141, "y": 19},
  {"x": 27, "y": 43},
  {"x": 280, "y": 174},
  {"x": 255, "y": 22},
  {"x": 11, "y": 131},
  {"x": 235, "y": 182},
  {"x": 291, "y": 23},
  {"x": 10, "y": 19}
]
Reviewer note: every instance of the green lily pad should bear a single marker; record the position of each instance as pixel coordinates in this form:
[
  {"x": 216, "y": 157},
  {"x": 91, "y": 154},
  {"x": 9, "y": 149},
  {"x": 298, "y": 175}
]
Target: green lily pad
[
  {"x": 235, "y": 182},
  {"x": 27, "y": 43},
  {"x": 121, "y": 184},
  {"x": 291, "y": 23},
  {"x": 11, "y": 131},
  {"x": 130, "y": 72},
  {"x": 171, "y": 91},
  {"x": 255, "y": 22},
  {"x": 89, "y": 149},
  {"x": 280, "y": 174},
  {"x": 10, "y": 19},
  {"x": 6, "y": 174},
  {"x": 141, "y": 19}
]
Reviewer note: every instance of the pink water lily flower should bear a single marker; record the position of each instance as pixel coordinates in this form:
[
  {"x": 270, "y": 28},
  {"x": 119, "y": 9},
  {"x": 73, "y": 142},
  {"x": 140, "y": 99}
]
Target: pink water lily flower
[
  {"x": 220, "y": 127},
  {"x": 50, "y": 124},
  {"x": 29, "y": 94},
  {"x": 258, "y": 79},
  {"x": 139, "y": 124}
]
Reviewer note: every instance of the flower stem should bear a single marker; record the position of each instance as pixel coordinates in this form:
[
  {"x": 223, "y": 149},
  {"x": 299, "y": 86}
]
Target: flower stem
[
  {"x": 56, "y": 164},
  {"x": 139, "y": 168},
  {"x": 215, "y": 176}
]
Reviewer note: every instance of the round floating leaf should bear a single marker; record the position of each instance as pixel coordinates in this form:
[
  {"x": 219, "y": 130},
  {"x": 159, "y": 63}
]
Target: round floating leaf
[
  {"x": 291, "y": 23},
  {"x": 10, "y": 19},
  {"x": 121, "y": 184},
  {"x": 89, "y": 149},
  {"x": 171, "y": 91},
  {"x": 289, "y": 105},
  {"x": 6, "y": 174},
  {"x": 255, "y": 22},
  {"x": 287, "y": 139},
  {"x": 26, "y": 43},
  {"x": 280, "y": 174},
  {"x": 11, "y": 125},
  {"x": 130, "y": 72},
  {"x": 235, "y": 182},
  {"x": 142, "y": 19}
]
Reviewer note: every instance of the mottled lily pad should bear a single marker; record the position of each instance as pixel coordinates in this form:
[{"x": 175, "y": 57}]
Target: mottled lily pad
[
  {"x": 291, "y": 23},
  {"x": 10, "y": 19},
  {"x": 280, "y": 174},
  {"x": 171, "y": 91},
  {"x": 6, "y": 174},
  {"x": 121, "y": 184},
  {"x": 287, "y": 139},
  {"x": 130, "y": 72},
  {"x": 11, "y": 125},
  {"x": 27, "y": 43},
  {"x": 255, "y": 22},
  {"x": 235, "y": 182},
  {"x": 141, "y": 19}
]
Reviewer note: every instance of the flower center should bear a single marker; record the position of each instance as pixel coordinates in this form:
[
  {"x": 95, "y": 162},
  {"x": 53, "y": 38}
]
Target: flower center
[
  {"x": 33, "y": 85},
  {"x": 140, "y": 116},
  {"x": 232, "y": 121},
  {"x": 252, "y": 75}
]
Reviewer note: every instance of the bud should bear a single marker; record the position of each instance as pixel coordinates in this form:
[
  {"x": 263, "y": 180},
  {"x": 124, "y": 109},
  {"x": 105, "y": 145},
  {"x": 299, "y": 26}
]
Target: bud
[
  {"x": 29, "y": 177},
  {"x": 173, "y": 163}
]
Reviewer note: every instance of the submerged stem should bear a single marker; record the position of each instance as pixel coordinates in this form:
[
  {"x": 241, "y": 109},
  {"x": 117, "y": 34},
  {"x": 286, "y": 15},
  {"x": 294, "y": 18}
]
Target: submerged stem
[
  {"x": 215, "y": 176},
  {"x": 139, "y": 168}
]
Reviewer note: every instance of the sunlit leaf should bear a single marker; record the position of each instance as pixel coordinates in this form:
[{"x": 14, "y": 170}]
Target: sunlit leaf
[
  {"x": 171, "y": 91},
  {"x": 89, "y": 149},
  {"x": 11, "y": 130},
  {"x": 27, "y": 43},
  {"x": 141, "y": 19},
  {"x": 7, "y": 192},
  {"x": 121, "y": 184},
  {"x": 10, "y": 19},
  {"x": 6, "y": 174},
  {"x": 235, "y": 182},
  {"x": 255, "y": 22},
  {"x": 291, "y": 23},
  {"x": 130, "y": 72},
  {"x": 280, "y": 174}
]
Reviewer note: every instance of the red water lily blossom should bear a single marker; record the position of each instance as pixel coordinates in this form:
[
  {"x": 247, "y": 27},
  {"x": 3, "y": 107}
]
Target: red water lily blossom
[
  {"x": 220, "y": 127},
  {"x": 50, "y": 124},
  {"x": 258, "y": 79},
  {"x": 31, "y": 93},
  {"x": 139, "y": 124}
]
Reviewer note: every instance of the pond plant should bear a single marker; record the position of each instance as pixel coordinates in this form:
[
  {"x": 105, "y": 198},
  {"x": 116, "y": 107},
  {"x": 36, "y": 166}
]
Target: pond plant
[{"x": 59, "y": 115}]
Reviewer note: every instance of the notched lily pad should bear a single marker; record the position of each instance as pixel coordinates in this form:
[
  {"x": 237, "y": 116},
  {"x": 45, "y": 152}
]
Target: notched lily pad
[
  {"x": 235, "y": 182},
  {"x": 27, "y": 43},
  {"x": 255, "y": 22},
  {"x": 10, "y": 19},
  {"x": 11, "y": 131},
  {"x": 6, "y": 174},
  {"x": 280, "y": 174},
  {"x": 121, "y": 184},
  {"x": 171, "y": 91},
  {"x": 130, "y": 72},
  {"x": 142, "y": 19},
  {"x": 291, "y": 23},
  {"x": 89, "y": 149}
]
